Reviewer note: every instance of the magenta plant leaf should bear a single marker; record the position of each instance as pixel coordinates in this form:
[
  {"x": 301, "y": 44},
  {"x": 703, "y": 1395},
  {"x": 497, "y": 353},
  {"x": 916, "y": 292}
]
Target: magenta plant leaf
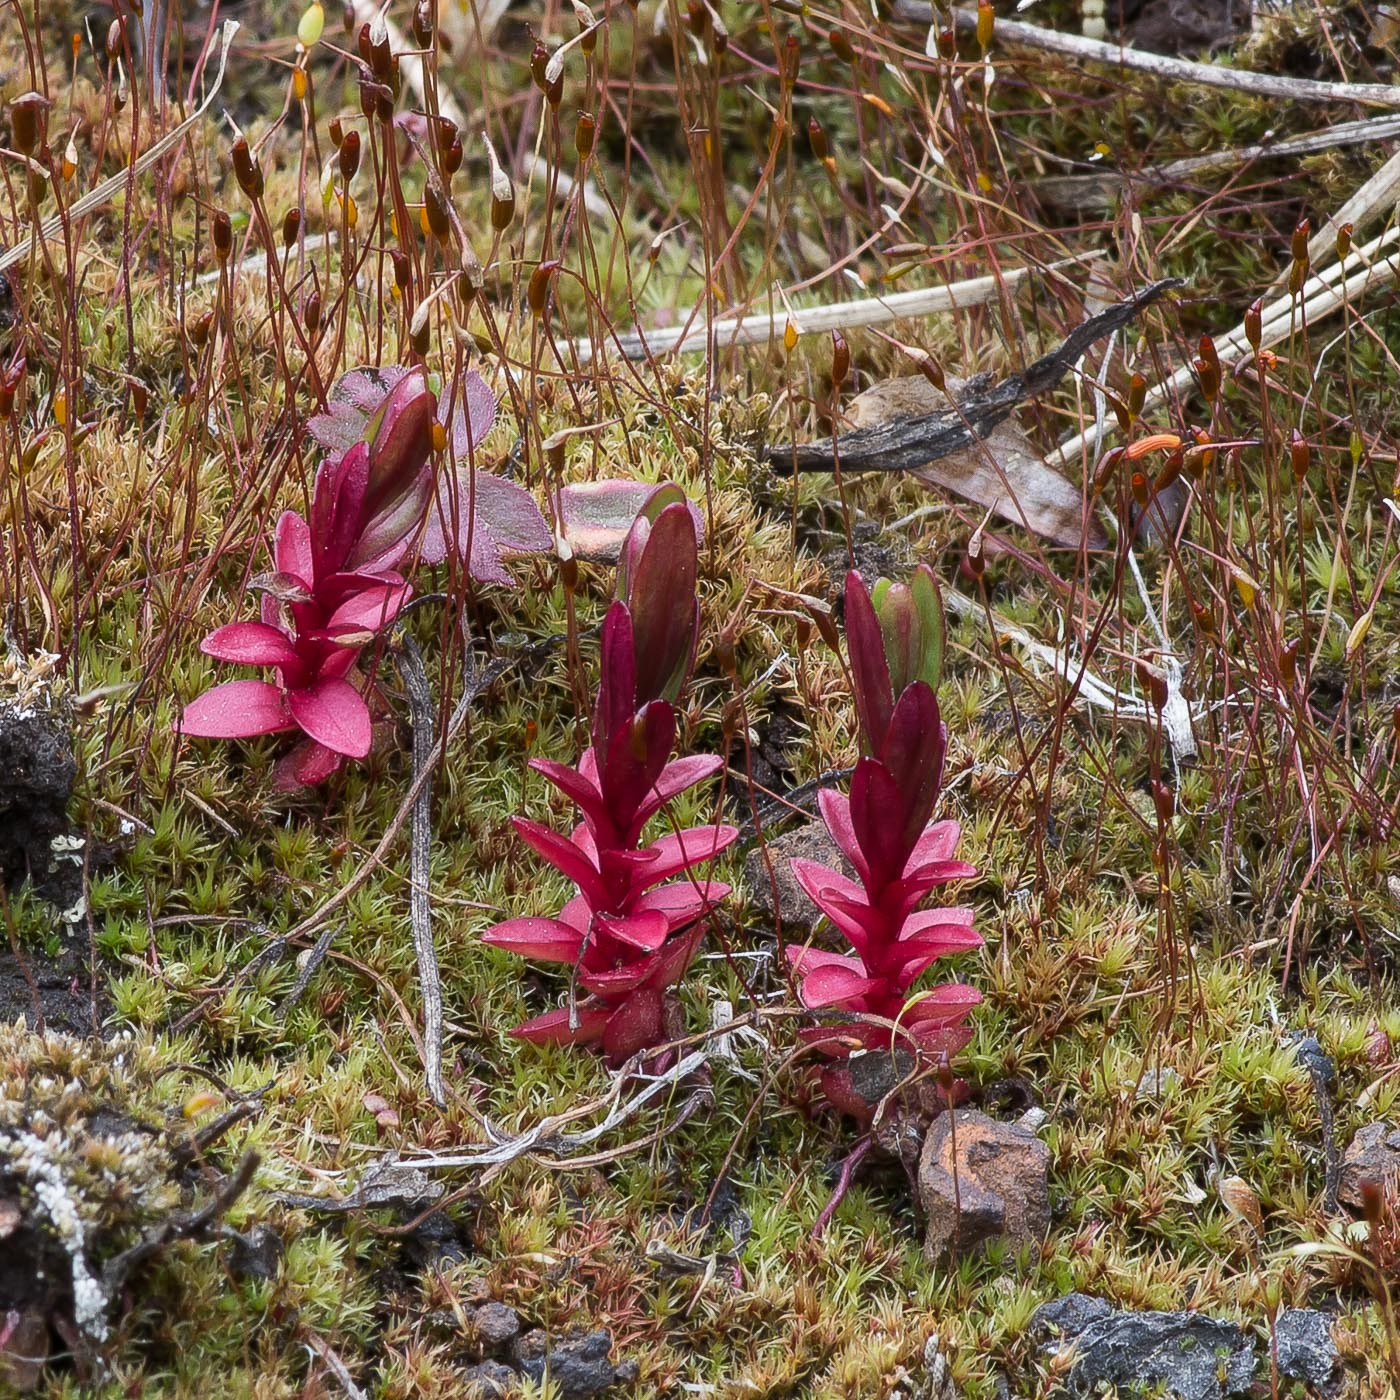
[
  {"x": 582, "y": 1025},
  {"x": 564, "y": 856},
  {"x": 292, "y": 552},
  {"x": 547, "y": 940},
  {"x": 660, "y": 595},
  {"x": 333, "y": 713},
  {"x": 250, "y": 644},
  {"x": 870, "y": 672},
  {"x": 237, "y": 710}
]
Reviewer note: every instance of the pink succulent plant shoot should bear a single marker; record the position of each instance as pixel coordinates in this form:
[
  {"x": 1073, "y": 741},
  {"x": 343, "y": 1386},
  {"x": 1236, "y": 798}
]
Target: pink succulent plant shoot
[
  {"x": 884, "y": 828},
  {"x": 632, "y": 930},
  {"x": 400, "y": 482}
]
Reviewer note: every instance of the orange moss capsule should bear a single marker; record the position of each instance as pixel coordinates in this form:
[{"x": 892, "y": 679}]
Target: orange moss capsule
[
  {"x": 1137, "y": 395},
  {"x": 222, "y": 231},
  {"x": 1153, "y": 442},
  {"x": 986, "y": 25},
  {"x": 1344, "y": 232},
  {"x": 349, "y": 155},
  {"x": 841, "y": 46},
  {"x": 435, "y": 210},
  {"x": 537, "y": 289},
  {"x": 246, "y": 169},
  {"x": 1299, "y": 454},
  {"x": 840, "y": 359},
  {"x": 1299, "y": 243},
  {"x": 1288, "y": 662},
  {"x": 1253, "y": 323},
  {"x": 300, "y": 84},
  {"x": 584, "y": 132}
]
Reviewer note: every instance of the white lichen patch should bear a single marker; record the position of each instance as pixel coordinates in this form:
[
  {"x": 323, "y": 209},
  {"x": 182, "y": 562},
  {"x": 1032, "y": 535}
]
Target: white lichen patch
[
  {"x": 36, "y": 1162},
  {"x": 86, "y": 1161}
]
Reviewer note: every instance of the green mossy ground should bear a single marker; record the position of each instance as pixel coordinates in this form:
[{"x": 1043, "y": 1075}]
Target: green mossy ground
[{"x": 1100, "y": 964}]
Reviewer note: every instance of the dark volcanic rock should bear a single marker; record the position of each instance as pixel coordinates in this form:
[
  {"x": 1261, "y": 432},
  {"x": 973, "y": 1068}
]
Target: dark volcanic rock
[
  {"x": 495, "y": 1326},
  {"x": 256, "y": 1255},
  {"x": 980, "y": 1179},
  {"x": 1185, "y": 1354},
  {"x": 579, "y": 1363},
  {"x": 488, "y": 1380},
  {"x": 807, "y": 842},
  {"x": 1372, "y": 1155},
  {"x": 1306, "y": 1351},
  {"x": 37, "y": 769}
]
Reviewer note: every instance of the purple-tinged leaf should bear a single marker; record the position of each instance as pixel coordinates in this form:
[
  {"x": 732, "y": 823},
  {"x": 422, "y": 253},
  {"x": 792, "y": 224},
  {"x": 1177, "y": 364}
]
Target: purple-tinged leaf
[
  {"x": 835, "y": 808},
  {"x": 471, "y": 406},
  {"x": 250, "y": 644},
  {"x": 577, "y": 788},
  {"x": 480, "y": 518},
  {"x": 400, "y": 437},
  {"x": 367, "y": 386},
  {"x": 581, "y": 1026},
  {"x": 870, "y": 672},
  {"x": 660, "y": 595},
  {"x": 636, "y": 1025},
  {"x": 545, "y": 940},
  {"x": 373, "y": 610},
  {"x": 308, "y": 764},
  {"x": 645, "y": 929},
  {"x": 236, "y": 710},
  {"x": 877, "y": 815},
  {"x": 333, "y": 713},
  {"x": 564, "y": 856},
  {"x": 834, "y": 985},
  {"x": 677, "y": 777},
  {"x": 339, "y": 428},
  {"x": 291, "y": 548},
  {"x": 597, "y": 515},
  {"x": 677, "y": 851},
  {"x": 617, "y": 685}
]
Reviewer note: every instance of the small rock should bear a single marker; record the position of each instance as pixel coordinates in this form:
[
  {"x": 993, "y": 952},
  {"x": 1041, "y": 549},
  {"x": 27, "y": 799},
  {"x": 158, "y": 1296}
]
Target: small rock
[
  {"x": 24, "y": 1351},
  {"x": 488, "y": 1380},
  {"x": 1070, "y": 1315},
  {"x": 1186, "y": 1354},
  {"x": 980, "y": 1179},
  {"x": 807, "y": 842},
  {"x": 578, "y": 1363},
  {"x": 257, "y": 1255},
  {"x": 1372, "y": 1155},
  {"x": 1306, "y": 1351},
  {"x": 495, "y": 1326}
]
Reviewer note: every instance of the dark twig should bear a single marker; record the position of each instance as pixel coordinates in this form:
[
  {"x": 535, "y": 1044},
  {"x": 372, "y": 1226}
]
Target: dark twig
[
  {"x": 421, "y": 715},
  {"x": 313, "y": 960},
  {"x": 1324, "y": 1081},
  {"x": 911, "y": 443},
  {"x": 181, "y": 1227}
]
